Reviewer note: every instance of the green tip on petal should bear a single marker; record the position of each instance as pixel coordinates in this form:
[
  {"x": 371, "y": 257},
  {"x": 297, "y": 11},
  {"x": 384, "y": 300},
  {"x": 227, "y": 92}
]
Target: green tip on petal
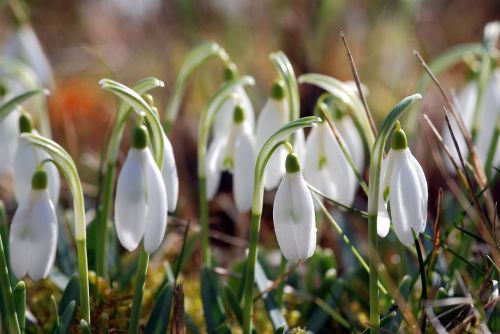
[
  {"x": 25, "y": 123},
  {"x": 39, "y": 180},
  {"x": 292, "y": 164},
  {"x": 278, "y": 90},
  {"x": 238, "y": 114},
  {"x": 399, "y": 141},
  {"x": 139, "y": 137},
  {"x": 230, "y": 72}
]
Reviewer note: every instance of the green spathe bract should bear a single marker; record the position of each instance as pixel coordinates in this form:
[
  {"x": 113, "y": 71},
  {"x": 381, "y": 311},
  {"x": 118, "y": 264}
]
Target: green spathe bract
[{"x": 66, "y": 165}]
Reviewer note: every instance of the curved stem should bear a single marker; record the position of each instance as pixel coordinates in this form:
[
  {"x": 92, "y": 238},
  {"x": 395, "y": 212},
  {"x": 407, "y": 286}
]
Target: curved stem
[
  {"x": 142, "y": 269},
  {"x": 67, "y": 166},
  {"x": 257, "y": 202}
]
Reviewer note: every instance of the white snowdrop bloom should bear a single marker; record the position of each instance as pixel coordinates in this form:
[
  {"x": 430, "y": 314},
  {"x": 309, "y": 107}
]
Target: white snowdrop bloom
[
  {"x": 293, "y": 214},
  {"x": 33, "y": 233},
  {"x": 488, "y": 119},
  {"x": 9, "y": 138},
  {"x": 352, "y": 139},
  {"x": 326, "y": 167},
  {"x": 141, "y": 199},
  {"x": 136, "y": 10},
  {"x": 224, "y": 117},
  {"x": 403, "y": 184},
  {"x": 235, "y": 153},
  {"x": 273, "y": 116},
  {"x": 23, "y": 44},
  {"x": 465, "y": 103},
  {"x": 26, "y": 160},
  {"x": 169, "y": 174}
]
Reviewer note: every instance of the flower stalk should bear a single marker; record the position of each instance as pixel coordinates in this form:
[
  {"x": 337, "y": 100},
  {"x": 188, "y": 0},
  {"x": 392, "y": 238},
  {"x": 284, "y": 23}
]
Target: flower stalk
[
  {"x": 257, "y": 203},
  {"x": 373, "y": 201}
]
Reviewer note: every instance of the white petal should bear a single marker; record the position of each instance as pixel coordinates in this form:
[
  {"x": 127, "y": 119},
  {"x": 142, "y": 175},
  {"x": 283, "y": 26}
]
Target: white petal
[
  {"x": 488, "y": 119},
  {"x": 272, "y": 117},
  {"x": 353, "y": 141},
  {"x": 405, "y": 197},
  {"x": 224, "y": 117},
  {"x": 466, "y": 105},
  {"x": 423, "y": 190},
  {"x": 383, "y": 220},
  {"x": 9, "y": 136},
  {"x": 156, "y": 217},
  {"x": 214, "y": 164},
  {"x": 244, "y": 166},
  {"x": 23, "y": 44},
  {"x": 130, "y": 202},
  {"x": 293, "y": 215},
  {"x": 33, "y": 236},
  {"x": 169, "y": 173}
]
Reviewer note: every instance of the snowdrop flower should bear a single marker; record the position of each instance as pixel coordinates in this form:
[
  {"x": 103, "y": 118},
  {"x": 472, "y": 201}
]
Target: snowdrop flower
[
  {"x": 24, "y": 45},
  {"x": 169, "y": 174},
  {"x": 403, "y": 184},
  {"x": 326, "y": 167},
  {"x": 33, "y": 233},
  {"x": 352, "y": 140},
  {"x": 224, "y": 117},
  {"x": 141, "y": 199},
  {"x": 235, "y": 153},
  {"x": 272, "y": 117},
  {"x": 26, "y": 161},
  {"x": 9, "y": 137},
  {"x": 488, "y": 114},
  {"x": 293, "y": 214}
]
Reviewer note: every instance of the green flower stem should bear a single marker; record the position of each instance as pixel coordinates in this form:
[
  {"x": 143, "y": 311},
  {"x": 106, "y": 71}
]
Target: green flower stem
[
  {"x": 142, "y": 269},
  {"x": 279, "y": 289},
  {"x": 197, "y": 57},
  {"x": 207, "y": 116},
  {"x": 346, "y": 240},
  {"x": 124, "y": 111},
  {"x": 8, "y": 299},
  {"x": 373, "y": 193},
  {"x": 257, "y": 203},
  {"x": 66, "y": 165}
]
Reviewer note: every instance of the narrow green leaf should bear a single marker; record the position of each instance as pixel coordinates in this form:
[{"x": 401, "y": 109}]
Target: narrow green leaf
[
  {"x": 19, "y": 295},
  {"x": 11, "y": 104},
  {"x": 84, "y": 327},
  {"x": 234, "y": 304},
  {"x": 197, "y": 57},
  {"x": 212, "y": 303},
  {"x": 70, "y": 293},
  {"x": 272, "y": 308},
  {"x": 67, "y": 317},
  {"x": 160, "y": 316}
]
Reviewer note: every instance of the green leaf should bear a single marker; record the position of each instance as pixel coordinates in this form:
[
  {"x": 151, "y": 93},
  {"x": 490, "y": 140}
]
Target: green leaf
[
  {"x": 19, "y": 295},
  {"x": 70, "y": 293},
  {"x": 234, "y": 304},
  {"x": 189, "y": 247},
  {"x": 84, "y": 327},
  {"x": 272, "y": 308},
  {"x": 67, "y": 317},
  {"x": 197, "y": 57},
  {"x": 213, "y": 309},
  {"x": 11, "y": 104},
  {"x": 160, "y": 316}
]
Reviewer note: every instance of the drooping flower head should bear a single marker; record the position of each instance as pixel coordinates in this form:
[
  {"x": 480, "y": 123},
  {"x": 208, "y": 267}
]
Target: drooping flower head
[
  {"x": 273, "y": 116},
  {"x": 141, "y": 199},
  {"x": 326, "y": 167},
  {"x": 404, "y": 187},
  {"x": 33, "y": 233},
  {"x": 236, "y": 154},
  {"x": 293, "y": 214},
  {"x": 26, "y": 161}
]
